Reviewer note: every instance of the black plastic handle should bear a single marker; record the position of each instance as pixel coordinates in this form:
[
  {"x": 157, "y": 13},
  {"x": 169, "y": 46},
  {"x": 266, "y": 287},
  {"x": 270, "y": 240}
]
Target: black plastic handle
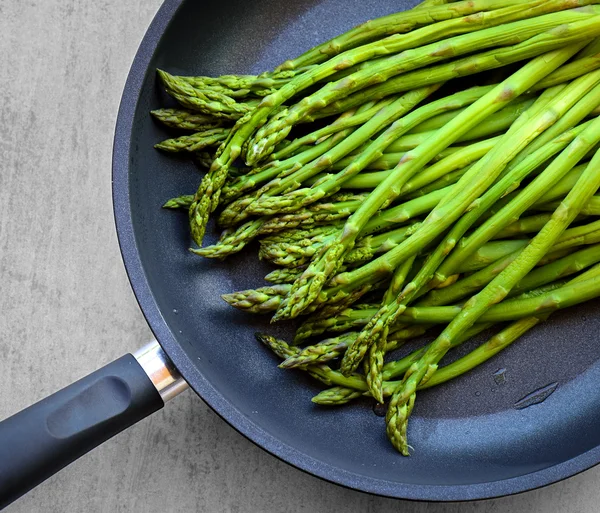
[{"x": 44, "y": 438}]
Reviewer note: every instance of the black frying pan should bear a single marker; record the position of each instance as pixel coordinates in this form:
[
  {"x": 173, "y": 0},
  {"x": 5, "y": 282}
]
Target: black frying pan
[{"x": 470, "y": 440}]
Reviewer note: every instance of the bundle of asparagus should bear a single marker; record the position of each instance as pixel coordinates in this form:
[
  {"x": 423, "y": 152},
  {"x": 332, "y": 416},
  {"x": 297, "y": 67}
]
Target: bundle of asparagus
[{"x": 398, "y": 202}]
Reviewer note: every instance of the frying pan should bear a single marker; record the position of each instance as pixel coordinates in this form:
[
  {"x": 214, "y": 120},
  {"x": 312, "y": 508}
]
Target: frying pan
[{"x": 474, "y": 438}]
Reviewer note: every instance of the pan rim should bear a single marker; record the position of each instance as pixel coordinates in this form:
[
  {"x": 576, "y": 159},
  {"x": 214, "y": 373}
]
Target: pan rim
[{"x": 210, "y": 395}]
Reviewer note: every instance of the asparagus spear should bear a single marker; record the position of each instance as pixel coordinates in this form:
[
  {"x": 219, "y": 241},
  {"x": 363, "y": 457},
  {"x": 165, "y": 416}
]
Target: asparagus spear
[
  {"x": 242, "y": 86},
  {"x": 575, "y": 115},
  {"x": 530, "y": 194},
  {"x": 425, "y": 54},
  {"x": 460, "y": 68},
  {"x": 378, "y": 325},
  {"x": 206, "y": 101},
  {"x": 296, "y": 254},
  {"x": 342, "y": 395},
  {"x": 241, "y": 209},
  {"x": 571, "y": 71},
  {"x": 456, "y": 161},
  {"x": 234, "y": 241},
  {"x": 294, "y": 200},
  {"x": 396, "y": 23},
  {"x": 179, "y": 202},
  {"x": 338, "y": 125},
  {"x": 591, "y": 208},
  {"x": 530, "y": 224},
  {"x": 559, "y": 269},
  {"x": 305, "y": 237},
  {"x": 449, "y": 210},
  {"x": 258, "y": 301},
  {"x": 331, "y": 348},
  {"x": 186, "y": 119},
  {"x": 357, "y": 317},
  {"x": 310, "y": 283},
  {"x": 281, "y": 276},
  {"x": 207, "y": 196},
  {"x": 374, "y": 364},
  {"x": 286, "y": 166},
  {"x": 404, "y": 397},
  {"x": 317, "y": 213},
  {"x": 194, "y": 142},
  {"x": 432, "y": 3},
  {"x": 484, "y": 352}
]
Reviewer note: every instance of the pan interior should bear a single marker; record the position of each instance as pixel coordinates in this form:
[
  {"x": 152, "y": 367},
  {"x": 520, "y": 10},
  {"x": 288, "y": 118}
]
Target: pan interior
[{"x": 465, "y": 432}]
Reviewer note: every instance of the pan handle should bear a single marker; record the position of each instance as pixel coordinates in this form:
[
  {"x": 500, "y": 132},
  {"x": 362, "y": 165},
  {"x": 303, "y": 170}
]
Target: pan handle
[{"x": 42, "y": 439}]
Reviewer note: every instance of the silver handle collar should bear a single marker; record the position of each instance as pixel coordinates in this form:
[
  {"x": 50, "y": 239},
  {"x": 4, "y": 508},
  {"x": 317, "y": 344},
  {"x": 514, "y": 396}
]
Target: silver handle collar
[{"x": 161, "y": 371}]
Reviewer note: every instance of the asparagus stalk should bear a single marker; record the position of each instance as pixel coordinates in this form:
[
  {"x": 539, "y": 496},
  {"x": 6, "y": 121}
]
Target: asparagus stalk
[
  {"x": 530, "y": 224},
  {"x": 207, "y": 196},
  {"x": 286, "y": 166},
  {"x": 507, "y": 33},
  {"x": 569, "y": 157},
  {"x": 331, "y": 348},
  {"x": 474, "y": 181},
  {"x": 308, "y": 286},
  {"x": 384, "y": 163},
  {"x": 499, "y": 121},
  {"x": 462, "y": 67},
  {"x": 396, "y": 23},
  {"x": 209, "y": 102},
  {"x": 358, "y": 317},
  {"x": 456, "y": 161},
  {"x": 591, "y": 208},
  {"x": 340, "y": 124},
  {"x": 194, "y": 142},
  {"x": 186, "y": 119},
  {"x": 342, "y": 395},
  {"x": 571, "y": 71},
  {"x": 575, "y": 115},
  {"x": 374, "y": 363},
  {"x": 297, "y": 199},
  {"x": 179, "y": 202},
  {"x": 484, "y": 352},
  {"x": 240, "y": 210},
  {"x": 475, "y": 309},
  {"x": 559, "y": 269}
]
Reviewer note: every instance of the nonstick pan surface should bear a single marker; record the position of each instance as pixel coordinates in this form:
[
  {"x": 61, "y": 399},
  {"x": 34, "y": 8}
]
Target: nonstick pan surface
[{"x": 470, "y": 439}]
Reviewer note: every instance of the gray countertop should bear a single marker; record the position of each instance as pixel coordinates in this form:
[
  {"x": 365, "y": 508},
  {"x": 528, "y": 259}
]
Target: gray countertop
[{"x": 66, "y": 306}]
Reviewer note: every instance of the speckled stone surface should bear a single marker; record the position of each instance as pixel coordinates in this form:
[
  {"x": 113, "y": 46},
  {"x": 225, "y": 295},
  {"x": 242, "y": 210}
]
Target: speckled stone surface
[{"x": 66, "y": 306}]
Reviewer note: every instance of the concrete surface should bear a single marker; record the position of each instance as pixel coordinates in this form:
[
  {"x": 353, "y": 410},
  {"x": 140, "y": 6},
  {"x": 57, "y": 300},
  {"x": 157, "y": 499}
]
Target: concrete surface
[{"x": 66, "y": 306}]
